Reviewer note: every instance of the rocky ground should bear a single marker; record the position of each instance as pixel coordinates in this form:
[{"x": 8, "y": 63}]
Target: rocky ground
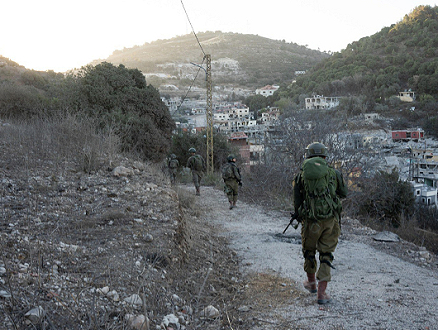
[
  {"x": 122, "y": 249},
  {"x": 111, "y": 250}
]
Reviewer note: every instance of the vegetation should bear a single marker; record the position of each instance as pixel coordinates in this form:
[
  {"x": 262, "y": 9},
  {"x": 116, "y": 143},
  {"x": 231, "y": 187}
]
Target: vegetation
[
  {"x": 260, "y": 61},
  {"x": 400, "y": 57},
  {"x": 116, "y": 99}
]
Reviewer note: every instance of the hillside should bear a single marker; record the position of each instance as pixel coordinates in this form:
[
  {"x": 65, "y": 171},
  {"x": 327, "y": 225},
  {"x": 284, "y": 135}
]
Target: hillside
[
  {"x": 247, "y": 60},
  {"x": 399, "y": 57},
  {"x": 119, "y": 246}
]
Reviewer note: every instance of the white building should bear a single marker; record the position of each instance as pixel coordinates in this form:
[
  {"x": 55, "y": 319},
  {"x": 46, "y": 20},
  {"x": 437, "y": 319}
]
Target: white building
[
  {"x": 424, "y": 194},
  {"x": 268, "y": 90},
  {"x": 270, "y": 116},
  {"x": 408, "y": 96},
  {"x": 317, "y": 102}
]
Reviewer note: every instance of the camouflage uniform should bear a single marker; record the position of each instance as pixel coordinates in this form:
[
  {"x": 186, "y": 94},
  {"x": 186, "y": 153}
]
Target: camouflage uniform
[
  {"x": 232, "y": 184},
  {"x": 173, "y": 165},
  {"x": 196, "y": 174},
  {"x": 321, "y": 236}
]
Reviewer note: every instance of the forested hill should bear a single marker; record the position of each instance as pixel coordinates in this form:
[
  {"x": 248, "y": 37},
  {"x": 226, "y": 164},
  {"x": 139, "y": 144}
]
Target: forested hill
[
  {"x": 259, "y": 60},
  {"x": 400, "y": 57}
]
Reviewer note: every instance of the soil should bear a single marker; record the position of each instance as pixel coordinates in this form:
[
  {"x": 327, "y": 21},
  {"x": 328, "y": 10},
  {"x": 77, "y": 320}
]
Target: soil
[
  {"x": 376, "y": 284},
  {"x": 81, "y": 245}
]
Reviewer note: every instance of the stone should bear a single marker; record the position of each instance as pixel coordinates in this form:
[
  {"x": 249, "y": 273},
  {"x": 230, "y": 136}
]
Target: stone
[
  {"x": 114, "y": 295},
  {"x": 5, "y": 294},
  {"x": 122, "y": 171},
  {"x": 103, "y": 290},
  {"x": 35, "y": 314},
  {"x": 134, "y": 300},
  {"x": 210, "y": 312},
  {"x": 138, "y": 322},
  {"x": 386, "y": 236},
  {"x": 171, "y": 320}
]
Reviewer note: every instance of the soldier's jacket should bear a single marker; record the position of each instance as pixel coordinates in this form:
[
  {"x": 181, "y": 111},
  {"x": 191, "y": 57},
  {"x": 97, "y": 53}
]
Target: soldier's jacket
[
  {"x": 298, "y": 189},
  {"x": 236, "y": 172},
  {"x": 196, "y": 163}
]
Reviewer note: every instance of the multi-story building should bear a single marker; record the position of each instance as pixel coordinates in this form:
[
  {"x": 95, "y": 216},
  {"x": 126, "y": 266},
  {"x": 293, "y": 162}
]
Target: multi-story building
[
  {"x": 317, "y": 102},
  {"x": 425, "y": 194}
]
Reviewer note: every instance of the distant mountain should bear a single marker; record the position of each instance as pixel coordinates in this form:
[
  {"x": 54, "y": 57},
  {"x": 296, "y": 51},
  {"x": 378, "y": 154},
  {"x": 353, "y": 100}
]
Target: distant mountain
[
  {"x": 238, "y": 59},
  {"x": 400, "y": 57}
]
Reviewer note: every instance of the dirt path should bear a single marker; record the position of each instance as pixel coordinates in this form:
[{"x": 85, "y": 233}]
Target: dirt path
[{"x": 371, "y": 288}]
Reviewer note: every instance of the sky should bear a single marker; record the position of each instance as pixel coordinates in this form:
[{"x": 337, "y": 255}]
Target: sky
[{"x": 61, "y": 35}]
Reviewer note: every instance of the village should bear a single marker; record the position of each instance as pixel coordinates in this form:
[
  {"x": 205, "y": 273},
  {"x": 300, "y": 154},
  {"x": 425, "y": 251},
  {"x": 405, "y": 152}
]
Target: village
[{"x": 414, "y": 155}]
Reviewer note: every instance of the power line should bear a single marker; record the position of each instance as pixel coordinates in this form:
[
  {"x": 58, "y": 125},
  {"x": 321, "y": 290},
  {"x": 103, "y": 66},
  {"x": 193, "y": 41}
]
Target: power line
[
  {"x": 192, "y": 27},
  {"x": 191, "y": 85}
]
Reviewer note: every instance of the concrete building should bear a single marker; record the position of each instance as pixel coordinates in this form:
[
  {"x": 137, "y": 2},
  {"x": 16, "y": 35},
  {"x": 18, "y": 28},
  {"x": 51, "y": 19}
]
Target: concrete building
[
  {"x": 268, "y": 117},
  {"x": 317, "y": 102},
  {"x": 407, "y": 96},
  {"x": 240, "y": 140},
  {"x": 268, "y": 90},
  {"x": 424, "y": 194}
]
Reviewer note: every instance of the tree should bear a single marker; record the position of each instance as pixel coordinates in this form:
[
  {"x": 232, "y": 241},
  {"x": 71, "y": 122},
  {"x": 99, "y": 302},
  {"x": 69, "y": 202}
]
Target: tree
[
  {"x": 386, "y": 198},
  {"x": 120, "y": 99}
]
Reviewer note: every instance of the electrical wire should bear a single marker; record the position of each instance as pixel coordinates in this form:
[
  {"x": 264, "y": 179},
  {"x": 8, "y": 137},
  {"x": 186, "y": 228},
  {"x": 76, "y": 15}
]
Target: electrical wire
[
  {"x": 191, "y": 85},
  {"x": 193, "y": 30}
]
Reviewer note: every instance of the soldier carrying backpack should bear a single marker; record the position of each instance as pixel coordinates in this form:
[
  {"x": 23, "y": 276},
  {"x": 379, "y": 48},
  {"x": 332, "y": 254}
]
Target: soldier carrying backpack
[
  {"x": 173, "y": 165},
  {"x": 317, "y": 190},
  {"x": 232, "y": 180},
  {"x": 197, "y": 165}
]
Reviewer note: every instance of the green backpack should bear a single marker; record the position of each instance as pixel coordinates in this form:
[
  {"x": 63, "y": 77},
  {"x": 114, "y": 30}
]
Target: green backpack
[
  {"x": 320, "y": 183},
  {"x": 199, "y": 164},
  {"x": 173, "y": 163},
  {"x": 227, "y": 171}
]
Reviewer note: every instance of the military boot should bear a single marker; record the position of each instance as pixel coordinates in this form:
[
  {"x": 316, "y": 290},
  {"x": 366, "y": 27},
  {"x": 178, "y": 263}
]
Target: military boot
[
  {"x": 323, "y": 298},
  {"x": 198, "y": 192},
  {"x": 310, "y": 283},
  {"x": 231, "y": 205}
]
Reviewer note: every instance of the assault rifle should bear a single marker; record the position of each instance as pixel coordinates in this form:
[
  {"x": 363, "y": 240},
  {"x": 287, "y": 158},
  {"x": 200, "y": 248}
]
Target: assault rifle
[{"x": 293, "y": 217}]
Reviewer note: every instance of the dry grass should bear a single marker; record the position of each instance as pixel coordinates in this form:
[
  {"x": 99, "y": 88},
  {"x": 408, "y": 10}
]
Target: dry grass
[{"x": 62, "y": 141}]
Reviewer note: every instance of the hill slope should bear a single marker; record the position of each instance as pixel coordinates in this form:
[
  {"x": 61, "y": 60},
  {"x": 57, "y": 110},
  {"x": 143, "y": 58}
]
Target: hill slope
[
  {"x": 397, "y": 58},
  {"x": 252, "y": 60}
]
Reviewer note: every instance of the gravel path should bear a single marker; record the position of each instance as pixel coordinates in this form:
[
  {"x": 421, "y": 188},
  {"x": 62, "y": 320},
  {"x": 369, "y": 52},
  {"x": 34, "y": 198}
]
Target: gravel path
[{"x": 370, "y": 289}]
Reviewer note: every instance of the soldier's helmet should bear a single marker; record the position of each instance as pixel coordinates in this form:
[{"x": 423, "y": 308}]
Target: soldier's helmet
[
  {"x": 230, "y": 157},
  {"x": 191, "y": 150},
  {"x": 173, "y": 156},
  {"x": 316, "y": 149}
]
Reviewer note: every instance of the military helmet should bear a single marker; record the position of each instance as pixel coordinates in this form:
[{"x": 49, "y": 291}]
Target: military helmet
[
  {"x": 173, "y": 156},
  {"x": 192, "y": 150},
  {"x": 230, "y": 157},
  {"x": 316, "y": 149}
]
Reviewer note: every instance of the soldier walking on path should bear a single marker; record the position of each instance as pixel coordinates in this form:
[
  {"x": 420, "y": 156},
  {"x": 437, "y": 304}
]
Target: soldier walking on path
[
  {"x": 317, "y": 191},
  {"x": 173, "y": 165},
  {"x": 232, "y": 180},
  {"x": 197, "y": 165}
]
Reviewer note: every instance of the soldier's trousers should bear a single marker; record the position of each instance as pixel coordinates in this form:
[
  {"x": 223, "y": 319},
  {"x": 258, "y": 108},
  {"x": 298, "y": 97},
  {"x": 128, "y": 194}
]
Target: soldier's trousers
[
  {"x": 321, "y": 236},
  {"x": 231, "y": 189},
  {"x": 197, "y": 177}
]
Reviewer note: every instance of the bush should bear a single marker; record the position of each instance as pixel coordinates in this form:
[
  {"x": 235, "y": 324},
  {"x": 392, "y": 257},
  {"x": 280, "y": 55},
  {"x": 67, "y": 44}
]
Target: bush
[{"x": 386, "y": 198}]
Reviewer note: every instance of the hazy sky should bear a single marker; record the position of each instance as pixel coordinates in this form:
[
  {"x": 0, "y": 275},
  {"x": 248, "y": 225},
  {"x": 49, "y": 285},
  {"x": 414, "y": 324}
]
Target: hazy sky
[{"x": 61, "y": 34}]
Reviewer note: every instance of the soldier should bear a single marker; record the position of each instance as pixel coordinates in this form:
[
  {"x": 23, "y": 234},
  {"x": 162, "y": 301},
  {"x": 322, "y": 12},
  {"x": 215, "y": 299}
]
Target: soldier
[
  {"x": 232, "y": 180},
  {"x": 197, "y": 165},
  {"x": 317, "y": 191},
  {"x": 173, "y": 165}
]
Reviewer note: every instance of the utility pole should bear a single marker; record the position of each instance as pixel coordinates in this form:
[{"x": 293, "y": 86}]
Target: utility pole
[{"x": 209, "y": 114}]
